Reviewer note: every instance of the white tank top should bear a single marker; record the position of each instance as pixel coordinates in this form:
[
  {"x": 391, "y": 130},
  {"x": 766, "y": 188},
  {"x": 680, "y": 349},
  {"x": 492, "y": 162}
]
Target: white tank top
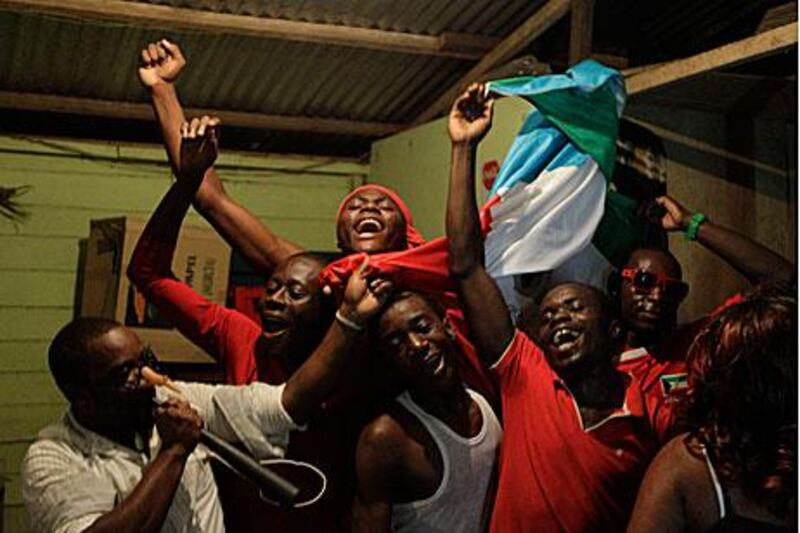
[{"x": 467, "y": 464}]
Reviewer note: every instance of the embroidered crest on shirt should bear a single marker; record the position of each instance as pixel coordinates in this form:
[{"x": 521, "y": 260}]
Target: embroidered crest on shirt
[{"x": 674, "y": 384}]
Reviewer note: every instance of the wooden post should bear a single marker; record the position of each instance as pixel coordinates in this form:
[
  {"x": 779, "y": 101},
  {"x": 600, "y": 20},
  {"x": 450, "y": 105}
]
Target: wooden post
[{"x": 580, "y": 31}]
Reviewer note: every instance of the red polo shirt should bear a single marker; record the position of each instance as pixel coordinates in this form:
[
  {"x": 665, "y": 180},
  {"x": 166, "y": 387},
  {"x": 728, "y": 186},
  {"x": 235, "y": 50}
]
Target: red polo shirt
[
  {"x": 555, "y": 474},
  {"x": 664, "y": 384},
  {"x": 662, "y": 375}
]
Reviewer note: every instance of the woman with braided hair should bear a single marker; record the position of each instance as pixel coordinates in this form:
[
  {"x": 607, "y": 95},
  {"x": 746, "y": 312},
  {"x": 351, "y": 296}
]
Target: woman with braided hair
[{"x": 736, "y": 469}]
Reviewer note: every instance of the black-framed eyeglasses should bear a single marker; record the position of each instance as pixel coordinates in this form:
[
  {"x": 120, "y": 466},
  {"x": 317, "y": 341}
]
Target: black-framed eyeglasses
[{"x": 129, "y": 375}]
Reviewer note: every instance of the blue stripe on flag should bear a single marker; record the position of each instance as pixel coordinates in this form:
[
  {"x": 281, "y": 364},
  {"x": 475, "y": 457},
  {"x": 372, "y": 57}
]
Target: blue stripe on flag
[{"x": 539, "y": 146}]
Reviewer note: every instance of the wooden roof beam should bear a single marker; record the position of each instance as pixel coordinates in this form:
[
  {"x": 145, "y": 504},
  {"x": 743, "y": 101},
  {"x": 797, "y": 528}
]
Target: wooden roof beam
[
  {"x": 526, "y": 33},
  {"x": 140, "y": 111},
  {"x": 448, "y": 44},
  {"x": 729, "y": 55},
  {"x": 580, "y": 30}
]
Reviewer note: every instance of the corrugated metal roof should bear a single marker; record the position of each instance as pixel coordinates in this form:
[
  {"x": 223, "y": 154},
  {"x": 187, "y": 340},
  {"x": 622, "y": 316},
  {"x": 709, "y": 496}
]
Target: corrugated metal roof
[
  {"x": 79, "y": 57},
  {"x": 483, "y": 17},
  {"x": 98, "y": 60}
]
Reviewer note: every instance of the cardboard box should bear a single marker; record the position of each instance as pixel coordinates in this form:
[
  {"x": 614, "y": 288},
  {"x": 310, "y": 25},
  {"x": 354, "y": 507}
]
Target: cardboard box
[{"x": 201, "y": 260}]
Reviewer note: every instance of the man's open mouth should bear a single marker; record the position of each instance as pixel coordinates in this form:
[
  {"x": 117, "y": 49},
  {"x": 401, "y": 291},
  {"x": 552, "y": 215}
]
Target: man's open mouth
[
  {"x": 274, "y": 324},
  {"x": 565, "y": 338},
  {"x": 434, "y": 362},
  {"x": 368, "y": 227}
]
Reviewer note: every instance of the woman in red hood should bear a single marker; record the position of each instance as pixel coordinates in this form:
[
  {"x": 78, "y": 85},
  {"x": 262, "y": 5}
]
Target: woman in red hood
[
  {"x": 375, "y": 219},
  {"x": 371, "y": 219}
]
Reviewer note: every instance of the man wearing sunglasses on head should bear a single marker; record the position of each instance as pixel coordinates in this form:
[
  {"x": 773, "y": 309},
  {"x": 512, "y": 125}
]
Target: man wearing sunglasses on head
[{"x": 651, "y": 290}]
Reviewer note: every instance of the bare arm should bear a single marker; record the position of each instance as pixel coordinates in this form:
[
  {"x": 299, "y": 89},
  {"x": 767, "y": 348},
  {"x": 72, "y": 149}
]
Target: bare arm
[
  {"x": 145, "y": 509},
  {"x": 161, "y": 65},
  {"x": 378, "y": 460},
  {"x": 199, "y": 151},
  {"x": 486, "y": 311},
  {"x": 315, "y": 379},
  {"x": 659, "y": 505},
  {"x": 240, "y": 228},
  {"x": 756, "y": 262}
]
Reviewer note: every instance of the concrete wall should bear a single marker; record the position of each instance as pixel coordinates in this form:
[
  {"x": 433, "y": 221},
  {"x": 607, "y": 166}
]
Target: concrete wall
[
  {"x": 739, "y": 170},
  {"x": 74, "y": 182}
]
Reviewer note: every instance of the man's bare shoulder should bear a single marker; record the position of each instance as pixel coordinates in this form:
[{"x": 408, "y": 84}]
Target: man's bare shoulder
[{"x": 391, "y": 433}]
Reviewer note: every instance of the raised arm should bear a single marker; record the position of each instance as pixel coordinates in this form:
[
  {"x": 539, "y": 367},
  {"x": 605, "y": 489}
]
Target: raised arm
[
  {"x": 161, "y": 64},
  {"x": 314, "y": 380},
  {"x": 486, "y": 311},
  {"x": 756, "y": 262},
  {"x": 207, "y": 324},
  {"x": 199, "y": 151}
]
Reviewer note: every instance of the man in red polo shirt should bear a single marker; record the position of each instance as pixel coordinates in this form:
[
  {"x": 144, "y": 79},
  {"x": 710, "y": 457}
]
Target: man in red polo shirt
[
  {"x": 577, "y": 435},
  {"x": 294, "y": 318},
  {"x": 652, "y": 289}
]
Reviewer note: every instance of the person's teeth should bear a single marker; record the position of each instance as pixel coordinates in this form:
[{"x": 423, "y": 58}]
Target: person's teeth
[
  {"x": 563, "y": 336},
  {"x": 370, "y": 225}
]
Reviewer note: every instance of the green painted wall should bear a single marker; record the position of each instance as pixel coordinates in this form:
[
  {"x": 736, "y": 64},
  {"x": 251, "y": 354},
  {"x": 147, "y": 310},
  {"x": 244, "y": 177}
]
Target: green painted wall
[{"x": 74, "y": 182}]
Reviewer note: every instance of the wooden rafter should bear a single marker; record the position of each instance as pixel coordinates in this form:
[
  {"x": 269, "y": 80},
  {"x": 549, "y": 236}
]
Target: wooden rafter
[
  {"x": 761, "y": 45},
  {"x": 138, "y": 111},
  {"x": 580, "y": 30},
  {"x": 529, "y": 30},
  {"x": 448, "y": 44}
]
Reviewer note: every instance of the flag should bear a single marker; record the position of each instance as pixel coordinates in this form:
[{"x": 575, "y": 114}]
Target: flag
[{"x": 550, "y": 194}]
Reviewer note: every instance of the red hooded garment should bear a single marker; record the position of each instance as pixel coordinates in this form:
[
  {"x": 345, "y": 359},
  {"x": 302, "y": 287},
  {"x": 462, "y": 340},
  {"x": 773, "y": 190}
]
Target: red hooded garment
[{"x": 422, "y": 267}]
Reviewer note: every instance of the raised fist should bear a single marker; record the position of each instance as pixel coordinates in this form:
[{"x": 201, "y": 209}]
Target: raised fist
[
  {"x": 161, "y": 62},
  {"x": 365, "y": 294},
  {"x": 199, "y": 146},
  {"x": 470, "y": 116}
]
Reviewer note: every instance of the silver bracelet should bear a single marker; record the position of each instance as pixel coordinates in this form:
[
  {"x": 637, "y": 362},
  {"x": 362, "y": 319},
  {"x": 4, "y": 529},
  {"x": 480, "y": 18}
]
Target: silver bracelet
[{"x": 347, "y": 322}]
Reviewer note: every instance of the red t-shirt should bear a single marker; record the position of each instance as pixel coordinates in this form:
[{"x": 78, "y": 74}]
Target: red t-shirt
[{"x": 554, "y": 474}]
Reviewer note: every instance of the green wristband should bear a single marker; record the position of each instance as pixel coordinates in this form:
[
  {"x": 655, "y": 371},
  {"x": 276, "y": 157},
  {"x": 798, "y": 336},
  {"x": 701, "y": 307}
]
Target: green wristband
[{"x": 694, "y": 225}]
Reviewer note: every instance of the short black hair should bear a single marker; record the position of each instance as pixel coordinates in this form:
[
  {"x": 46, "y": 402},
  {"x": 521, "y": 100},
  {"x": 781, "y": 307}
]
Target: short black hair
[
  {"x": 327, "y": 303},
  {"x": 68, "y": 350},
  {"x": 434, "y": 304}
]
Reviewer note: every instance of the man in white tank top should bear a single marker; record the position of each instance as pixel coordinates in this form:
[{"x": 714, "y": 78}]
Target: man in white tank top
[{"x": 426, "y": 464}]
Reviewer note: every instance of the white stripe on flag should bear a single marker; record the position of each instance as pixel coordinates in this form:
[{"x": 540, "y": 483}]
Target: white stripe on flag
[{"x": 537, "y": 226}]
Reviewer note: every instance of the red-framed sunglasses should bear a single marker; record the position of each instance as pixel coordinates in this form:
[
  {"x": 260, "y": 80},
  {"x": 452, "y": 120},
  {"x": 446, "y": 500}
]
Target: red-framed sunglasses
[{"x": 645, "y": 280}]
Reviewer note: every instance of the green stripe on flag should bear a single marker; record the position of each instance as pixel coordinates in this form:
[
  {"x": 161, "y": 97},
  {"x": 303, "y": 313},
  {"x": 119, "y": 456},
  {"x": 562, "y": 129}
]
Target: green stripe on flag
[
  {"x": 588, "y": 119},
  {"x": 620, "y": 230},
  {"x": 584, "y": 103}
]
